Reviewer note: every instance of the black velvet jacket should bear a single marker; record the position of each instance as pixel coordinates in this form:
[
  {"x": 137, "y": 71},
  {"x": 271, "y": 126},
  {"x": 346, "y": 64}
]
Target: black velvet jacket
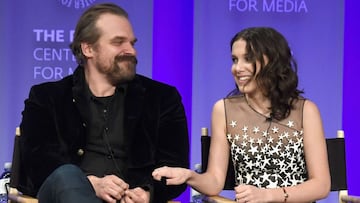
[{"x": 53, "y": 132}]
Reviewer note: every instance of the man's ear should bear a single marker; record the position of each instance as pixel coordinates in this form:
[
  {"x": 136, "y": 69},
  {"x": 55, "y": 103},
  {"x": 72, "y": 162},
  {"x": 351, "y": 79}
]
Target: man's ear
[{"x": 87, "y": 49}]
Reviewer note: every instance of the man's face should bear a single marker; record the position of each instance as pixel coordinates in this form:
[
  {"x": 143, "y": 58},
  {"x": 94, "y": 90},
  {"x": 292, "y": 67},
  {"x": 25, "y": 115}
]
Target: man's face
[{"x": 114, "y": 54}]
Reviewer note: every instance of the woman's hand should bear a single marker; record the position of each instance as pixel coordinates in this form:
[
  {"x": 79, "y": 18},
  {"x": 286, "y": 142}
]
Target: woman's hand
[
  {"x": 250, "y": 194},
  {"x": 172, "y": 175}
]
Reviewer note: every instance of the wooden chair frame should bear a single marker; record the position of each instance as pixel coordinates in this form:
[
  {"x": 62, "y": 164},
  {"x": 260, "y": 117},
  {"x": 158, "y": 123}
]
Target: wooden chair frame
[
  {"x": 14, "y": 195},
  {"x": 337, "y": 165}
]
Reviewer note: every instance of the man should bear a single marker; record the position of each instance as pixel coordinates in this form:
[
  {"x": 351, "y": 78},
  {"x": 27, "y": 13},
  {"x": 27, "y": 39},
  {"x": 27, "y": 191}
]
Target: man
[{"x": 98, "y": 134}]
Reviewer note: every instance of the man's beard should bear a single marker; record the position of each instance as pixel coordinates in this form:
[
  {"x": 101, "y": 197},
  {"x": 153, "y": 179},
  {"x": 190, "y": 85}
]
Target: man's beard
[{"x": 122, "y": 70}]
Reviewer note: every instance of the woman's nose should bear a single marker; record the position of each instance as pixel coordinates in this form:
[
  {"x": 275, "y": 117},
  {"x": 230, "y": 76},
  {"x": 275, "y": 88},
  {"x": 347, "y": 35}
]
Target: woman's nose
[{"x": 238, "y": 67}]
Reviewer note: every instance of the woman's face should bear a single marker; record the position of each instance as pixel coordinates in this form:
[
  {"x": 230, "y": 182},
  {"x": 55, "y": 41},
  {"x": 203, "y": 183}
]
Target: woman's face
[{"x": 242, "y": 68}]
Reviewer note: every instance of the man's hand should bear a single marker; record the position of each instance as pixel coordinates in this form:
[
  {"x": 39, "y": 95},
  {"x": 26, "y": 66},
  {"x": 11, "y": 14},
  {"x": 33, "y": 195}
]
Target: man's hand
[
  {"x": 109, "y": 188},
  {"x": 136, "y": 195}
]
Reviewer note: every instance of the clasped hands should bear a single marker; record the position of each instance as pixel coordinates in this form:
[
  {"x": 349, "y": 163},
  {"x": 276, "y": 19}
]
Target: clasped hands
[{"x": 112, "y": 188}]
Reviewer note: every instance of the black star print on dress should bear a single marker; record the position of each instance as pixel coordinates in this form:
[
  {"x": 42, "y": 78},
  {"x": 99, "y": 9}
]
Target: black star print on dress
[{"x": 266, "y": 153}]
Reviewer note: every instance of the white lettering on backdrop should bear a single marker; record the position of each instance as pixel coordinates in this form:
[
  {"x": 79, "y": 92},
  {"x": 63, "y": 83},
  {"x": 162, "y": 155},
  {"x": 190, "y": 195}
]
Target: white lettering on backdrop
[
  {"x": 274, "y": 6},
  {"x": 52, "y": 53}
]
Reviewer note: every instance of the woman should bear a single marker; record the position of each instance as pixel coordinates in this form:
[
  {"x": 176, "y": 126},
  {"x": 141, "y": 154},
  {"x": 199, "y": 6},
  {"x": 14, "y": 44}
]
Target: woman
[{"x": 274, "y": 135}]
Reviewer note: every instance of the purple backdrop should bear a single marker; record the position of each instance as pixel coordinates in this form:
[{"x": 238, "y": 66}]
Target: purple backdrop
[
  {"x": 186, "y": 44},
  {"x": 351, "y": 109},
  {"x": 315, "y": 34},
  {"x": 35, "y": 48}
]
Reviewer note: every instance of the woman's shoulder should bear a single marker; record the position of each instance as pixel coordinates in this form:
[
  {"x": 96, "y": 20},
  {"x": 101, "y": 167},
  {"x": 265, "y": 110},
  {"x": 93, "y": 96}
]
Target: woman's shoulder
[
  {"x": 226, "y": 102},
  {"x": 234, "y": 99},
  {"x": 306, "y": 103},
  {"x": 310, "y": 107}
]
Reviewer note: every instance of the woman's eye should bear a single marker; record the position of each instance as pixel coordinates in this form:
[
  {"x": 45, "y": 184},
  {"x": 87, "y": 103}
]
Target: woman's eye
[
  {"x": 234, "y": 60},
  {"x": 247, "y": 58}
]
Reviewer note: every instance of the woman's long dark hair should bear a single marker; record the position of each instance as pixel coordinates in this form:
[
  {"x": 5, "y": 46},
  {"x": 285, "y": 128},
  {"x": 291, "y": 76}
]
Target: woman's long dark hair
[{"x": 278, "y": 78}]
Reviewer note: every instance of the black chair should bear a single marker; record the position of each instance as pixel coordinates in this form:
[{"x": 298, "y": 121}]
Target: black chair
[
  {"x": 230, "y": 176},
  {"x": 205, "y": 145},
  {"x": 337, "y": 166},
  {"x": 15, "y": 195}
]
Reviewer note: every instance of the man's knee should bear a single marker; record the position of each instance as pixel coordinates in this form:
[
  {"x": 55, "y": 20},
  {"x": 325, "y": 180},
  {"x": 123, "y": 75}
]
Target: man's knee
[
  {"x": 68, "y": 175},
  {"x": 67, "y": 171},
  {"x": 67, "y": 182}
]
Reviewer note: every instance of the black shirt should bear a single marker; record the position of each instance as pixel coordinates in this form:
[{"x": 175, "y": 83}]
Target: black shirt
[{"x": 105, "y": 145}]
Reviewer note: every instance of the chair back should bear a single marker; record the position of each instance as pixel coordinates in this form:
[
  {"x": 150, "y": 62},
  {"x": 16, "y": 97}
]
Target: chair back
[
  {"x": 337, "y": 163},
  {"x": 15, "y": 168},
  {"x": 205, "y": 146},
  {"x": 336, "y": 157}
]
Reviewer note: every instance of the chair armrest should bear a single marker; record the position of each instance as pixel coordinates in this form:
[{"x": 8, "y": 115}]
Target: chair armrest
[
  {"x": 350, "y": 198},
  {"x": 217, "y": 199},
  {"x": 16, "y": 197}
]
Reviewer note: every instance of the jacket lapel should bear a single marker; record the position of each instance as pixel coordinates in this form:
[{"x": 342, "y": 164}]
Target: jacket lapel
[
  {"x": 79, "y": 92},
  {"x": 134, "y": 104}
]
